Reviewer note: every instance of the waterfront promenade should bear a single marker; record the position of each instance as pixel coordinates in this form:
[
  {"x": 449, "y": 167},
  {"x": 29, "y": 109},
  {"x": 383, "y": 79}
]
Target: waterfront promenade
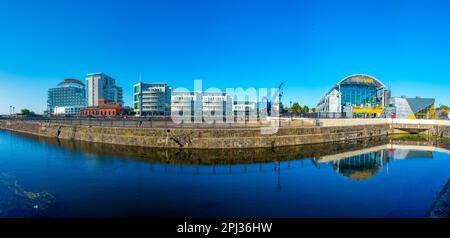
[{"x": 167, "y": 134}]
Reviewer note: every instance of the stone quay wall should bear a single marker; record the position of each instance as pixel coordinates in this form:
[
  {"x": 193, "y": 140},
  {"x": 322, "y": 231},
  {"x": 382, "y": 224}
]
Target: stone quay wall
[{"x": 199, "y": 138}]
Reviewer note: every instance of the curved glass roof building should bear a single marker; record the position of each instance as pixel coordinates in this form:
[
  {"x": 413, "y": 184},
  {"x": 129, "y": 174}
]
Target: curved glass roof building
[
  {"x": 68, "y": 97},
  {"x": 359, "y": 95},
  {"x": 70, "y": 83}
]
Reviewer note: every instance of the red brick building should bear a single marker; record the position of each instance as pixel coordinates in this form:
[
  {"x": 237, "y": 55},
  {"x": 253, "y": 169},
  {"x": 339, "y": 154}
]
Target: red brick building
[{"x": 103, "y": 110}]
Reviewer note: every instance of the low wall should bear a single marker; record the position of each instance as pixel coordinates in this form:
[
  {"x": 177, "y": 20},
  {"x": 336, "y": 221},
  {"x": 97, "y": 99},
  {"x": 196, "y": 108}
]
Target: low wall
[{"x": 198, "y": 138}]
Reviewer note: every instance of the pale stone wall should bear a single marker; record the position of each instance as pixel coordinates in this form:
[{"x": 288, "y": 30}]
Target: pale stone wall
[
  {"x": 332, "y": 130},
  {"x": 198, "y": 138}
]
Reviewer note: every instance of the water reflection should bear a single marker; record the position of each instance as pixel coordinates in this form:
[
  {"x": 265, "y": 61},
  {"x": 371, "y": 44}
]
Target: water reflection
[
  {"x": 355, "y": 159},
  {"x": 360, "y": 167},
  {"x": 79, "y": 179},
  {"x": 364, "y": 163}
]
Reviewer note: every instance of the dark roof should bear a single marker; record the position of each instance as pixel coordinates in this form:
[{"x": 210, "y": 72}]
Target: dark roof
[{"x": 418, "y": 104}]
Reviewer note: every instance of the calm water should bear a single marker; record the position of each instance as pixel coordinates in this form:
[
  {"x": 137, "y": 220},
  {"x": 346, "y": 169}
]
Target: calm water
[{"x": 377, "y": 178}]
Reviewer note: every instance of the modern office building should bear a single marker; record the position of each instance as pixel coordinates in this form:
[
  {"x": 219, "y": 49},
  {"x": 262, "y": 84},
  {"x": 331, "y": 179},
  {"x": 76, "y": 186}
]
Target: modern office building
[
  {"x": 245, "y": 108},
  {"x": 413, "y": 108},
  {"x": 67, "y": 98},
  {"x": 183, "y": 103},
  {"x": 216, "y": 104},
  {"x": 101, "y": 86},
  {"x": 358, "y": 95},
  {"x": 152, "y": 98}
]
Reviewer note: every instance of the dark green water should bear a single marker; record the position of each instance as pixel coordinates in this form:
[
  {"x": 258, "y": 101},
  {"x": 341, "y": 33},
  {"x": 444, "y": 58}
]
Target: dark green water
[{"x": 381, "y": 177}]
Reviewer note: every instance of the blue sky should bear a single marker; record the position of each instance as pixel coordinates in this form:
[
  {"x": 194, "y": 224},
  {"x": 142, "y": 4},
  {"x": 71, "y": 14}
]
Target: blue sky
[{"x": 308, "y": 45}]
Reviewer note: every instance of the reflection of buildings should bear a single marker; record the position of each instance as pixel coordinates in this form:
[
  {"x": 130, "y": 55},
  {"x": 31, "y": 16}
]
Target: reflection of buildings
[
  {"x": 412, "y": 154},
  {"x": 365, "y": 163},
  {"x": 362, "y": 166}
]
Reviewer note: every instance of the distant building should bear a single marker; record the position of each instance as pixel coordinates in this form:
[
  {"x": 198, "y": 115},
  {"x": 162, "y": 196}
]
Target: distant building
[
  {"x": 152, "y": 98},
  {"x": 360, "y": 94},
  {"x": 245, "y": 108},
  {"x": 216, "y": 104},
  {"x": 183, "y": 103},
  {"x": 101, "y": 86},
  {"x": 102, "y": 110},
  {"x": 67, "y": 98},
  {"x": 413, "y": 108}
]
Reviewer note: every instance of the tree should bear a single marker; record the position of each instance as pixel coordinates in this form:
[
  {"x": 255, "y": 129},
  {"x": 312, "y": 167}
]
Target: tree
[
  {"x": 26, "y": 112},
  {"x": 296, "y": 108},
  {"x": 305, "y": 108},
  {"x": 444, "y": 107},
  {"x": 282, "y": 108}
]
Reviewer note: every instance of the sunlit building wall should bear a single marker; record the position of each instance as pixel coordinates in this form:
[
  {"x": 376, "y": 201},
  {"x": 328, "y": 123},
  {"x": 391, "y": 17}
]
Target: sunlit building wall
[
  {"x": 365, "y": 95},
  {"x": 152, "y": 98},
  {"x": 68, "y": 98},
  {"x": 413, "y": 108},
  {"x": 101, "y": 86}
]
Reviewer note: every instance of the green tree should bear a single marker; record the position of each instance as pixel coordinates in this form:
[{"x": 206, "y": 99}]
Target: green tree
[
  {"x": 26, "y": 112},
  {"x": 282, "y": 108},
  {"x": 296, "y": 108},
  {"x": 444, "y": 107},
  {"x": 305, "y": 108}
]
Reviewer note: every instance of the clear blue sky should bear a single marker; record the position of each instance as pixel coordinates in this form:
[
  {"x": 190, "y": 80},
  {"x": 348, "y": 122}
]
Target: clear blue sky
[{"x": 309, "y": 45}]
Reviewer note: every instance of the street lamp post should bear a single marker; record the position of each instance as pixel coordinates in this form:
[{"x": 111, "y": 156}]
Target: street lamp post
[{"x": 280, "y": 94}]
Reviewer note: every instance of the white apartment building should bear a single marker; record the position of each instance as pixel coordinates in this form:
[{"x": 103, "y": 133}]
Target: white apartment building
[
  {"x": 101, "y": 86},
  {"x": 152, "y": 98}
]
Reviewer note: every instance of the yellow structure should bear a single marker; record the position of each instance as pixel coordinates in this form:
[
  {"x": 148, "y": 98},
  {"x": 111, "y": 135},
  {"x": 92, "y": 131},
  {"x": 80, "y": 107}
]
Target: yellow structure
[{"x": 374, "y": 111}]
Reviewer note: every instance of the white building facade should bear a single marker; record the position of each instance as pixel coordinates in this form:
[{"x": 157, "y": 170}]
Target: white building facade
[
  {"x": 101, "y": 86},
  {"x": 201, "y": 104},
  {"x": 152, "y": 98}
]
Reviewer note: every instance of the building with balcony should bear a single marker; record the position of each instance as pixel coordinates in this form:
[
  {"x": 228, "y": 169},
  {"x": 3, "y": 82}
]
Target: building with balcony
[
  {"x": 245, "y": 108},
  {"x": 217, "y": 104},
  {"x": 101, "y": 86},
  {"x": 199, "y": 104},
  {"x": 67, "y": 98},
  {"x": 152, "y": 98}
]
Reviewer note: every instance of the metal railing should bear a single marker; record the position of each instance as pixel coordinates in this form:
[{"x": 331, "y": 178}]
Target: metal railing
[
  {"x": 316, "y": 115},
  {"x": 153, "y": 122}
]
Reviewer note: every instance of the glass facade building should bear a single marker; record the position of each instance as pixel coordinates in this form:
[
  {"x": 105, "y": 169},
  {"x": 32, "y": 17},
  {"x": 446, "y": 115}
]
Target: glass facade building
[
  {"x": 359, "y": 95},
  {"x": 152, "y": 98},
  {"x": 68, "y": 97}
]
